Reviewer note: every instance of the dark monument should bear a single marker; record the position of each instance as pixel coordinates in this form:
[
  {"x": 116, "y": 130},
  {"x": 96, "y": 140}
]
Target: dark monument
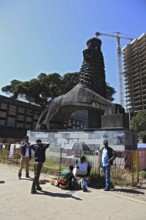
[
  {"x": 89, "y": 94},
  {"x": 92, "y": 73}
]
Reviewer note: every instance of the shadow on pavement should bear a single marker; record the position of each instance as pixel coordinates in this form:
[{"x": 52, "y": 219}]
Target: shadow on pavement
[
  {"x": 133, "y": 191},
  {"x": 29, "y": 179},
  {"x": 61, "y": 195},
  {"x": 2, "y": 181}
]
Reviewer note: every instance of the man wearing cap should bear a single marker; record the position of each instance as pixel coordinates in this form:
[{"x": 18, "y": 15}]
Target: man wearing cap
[
  {"x": 107, "y": 157},
  {"x": 39, "y": 158}
]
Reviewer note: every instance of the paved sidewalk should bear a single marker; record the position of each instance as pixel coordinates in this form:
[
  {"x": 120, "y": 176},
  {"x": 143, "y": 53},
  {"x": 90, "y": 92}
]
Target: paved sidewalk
[{"x": 16, "y": 202}]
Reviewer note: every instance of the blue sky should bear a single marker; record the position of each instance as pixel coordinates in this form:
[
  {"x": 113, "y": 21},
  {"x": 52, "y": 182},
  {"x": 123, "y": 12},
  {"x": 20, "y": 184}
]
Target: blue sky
[{"x": 49, "y": 35}]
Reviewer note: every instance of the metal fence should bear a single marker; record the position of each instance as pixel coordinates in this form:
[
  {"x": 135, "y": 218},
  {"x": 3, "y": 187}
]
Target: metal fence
[
  {"x": 142, "y": 159},
  {"x": 6, "y": 157},
  {"x": 126, "y": 166}
]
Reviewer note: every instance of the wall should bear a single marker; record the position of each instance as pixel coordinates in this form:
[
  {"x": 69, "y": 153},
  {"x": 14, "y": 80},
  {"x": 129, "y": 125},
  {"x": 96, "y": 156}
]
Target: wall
[{"x": 119, "y": 139}]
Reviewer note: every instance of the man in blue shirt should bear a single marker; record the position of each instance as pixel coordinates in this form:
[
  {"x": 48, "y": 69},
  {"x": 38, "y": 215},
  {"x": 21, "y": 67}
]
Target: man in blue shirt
[
  {"x": 108, "y": 155},
  {"x": 39, "y": 158}
]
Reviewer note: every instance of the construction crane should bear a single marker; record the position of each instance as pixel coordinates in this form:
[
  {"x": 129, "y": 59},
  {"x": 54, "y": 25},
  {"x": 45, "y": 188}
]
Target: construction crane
[{"x": 119, "y": 54}]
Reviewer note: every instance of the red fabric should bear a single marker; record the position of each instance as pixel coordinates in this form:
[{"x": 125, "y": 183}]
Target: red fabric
[{"x": 63, "y": 182}]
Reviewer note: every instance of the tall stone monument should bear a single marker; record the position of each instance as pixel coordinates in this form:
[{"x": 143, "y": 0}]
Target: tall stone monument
[
  {"x": 92, "y": 73},
  {"x": 89, "y": 94}
]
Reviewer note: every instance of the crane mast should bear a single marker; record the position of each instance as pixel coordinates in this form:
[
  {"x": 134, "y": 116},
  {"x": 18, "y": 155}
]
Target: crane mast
[{"x": 119, "y": 54}]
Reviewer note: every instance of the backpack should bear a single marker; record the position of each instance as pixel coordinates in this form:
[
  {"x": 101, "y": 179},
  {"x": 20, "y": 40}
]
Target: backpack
[{"x": 64, "y": 177}]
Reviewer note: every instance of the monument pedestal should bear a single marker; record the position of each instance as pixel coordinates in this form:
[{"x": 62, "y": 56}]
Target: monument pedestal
[
  {"x": 115, "y": 121},
  {"x": 118, "y": 138}
]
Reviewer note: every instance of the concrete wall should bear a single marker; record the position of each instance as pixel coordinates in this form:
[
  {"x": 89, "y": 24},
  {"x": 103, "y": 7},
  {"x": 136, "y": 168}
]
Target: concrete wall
[{"x": 119, "y": 139}]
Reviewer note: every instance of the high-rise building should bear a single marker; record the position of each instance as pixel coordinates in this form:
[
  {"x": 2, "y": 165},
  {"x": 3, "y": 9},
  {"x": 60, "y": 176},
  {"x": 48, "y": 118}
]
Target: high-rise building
[{"x": 135, "y": 74}]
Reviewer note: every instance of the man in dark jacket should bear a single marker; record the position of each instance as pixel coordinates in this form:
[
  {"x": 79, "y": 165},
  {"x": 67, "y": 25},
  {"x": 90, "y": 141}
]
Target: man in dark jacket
[
  {"x": 39, "y": 158},
  {"x": 108, "y": 155},
  {"x": 25, "y": 157}
]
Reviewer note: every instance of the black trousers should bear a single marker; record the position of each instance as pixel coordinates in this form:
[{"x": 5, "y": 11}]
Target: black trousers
[{"x": 37, "y": 171}]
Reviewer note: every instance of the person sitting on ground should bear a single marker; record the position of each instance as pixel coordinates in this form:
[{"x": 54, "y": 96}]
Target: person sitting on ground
[
  {"x": 66, "y": 177},
  {"x": 82, "y": 167}
]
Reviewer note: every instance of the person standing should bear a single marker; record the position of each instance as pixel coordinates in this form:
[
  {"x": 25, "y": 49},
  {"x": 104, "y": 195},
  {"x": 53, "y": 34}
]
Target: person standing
[
  {"x": 39, "y": 158},
  {"x": 25, "y": 157},
  {"x": 107, "y": 157}
]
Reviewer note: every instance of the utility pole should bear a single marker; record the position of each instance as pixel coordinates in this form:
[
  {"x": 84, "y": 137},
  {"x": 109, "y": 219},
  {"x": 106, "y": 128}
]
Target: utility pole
[{"x": 119, "y": 55}]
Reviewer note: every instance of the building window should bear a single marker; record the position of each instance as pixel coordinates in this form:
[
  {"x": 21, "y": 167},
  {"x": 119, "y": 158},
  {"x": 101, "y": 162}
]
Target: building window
[
  {"x": 20, "y": 117},
  {"x": 12, "y": 110},
  {"x": 3, "y": 106},
  {"x": 21, "y": 110},
  {"x": 19, "y": 125},
  {"x": 3, "y": 114},
  {"x": 2, "y": 122}
]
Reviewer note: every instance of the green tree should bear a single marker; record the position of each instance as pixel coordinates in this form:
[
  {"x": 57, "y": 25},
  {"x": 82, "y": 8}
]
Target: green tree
[
  {"x": 12, "y": 88},
  {"x": 39, "y": 91},
  {"x": 46, "y": 87},
  {"x": 138, "y": 125},
  {"x": 69, "y": 80}
]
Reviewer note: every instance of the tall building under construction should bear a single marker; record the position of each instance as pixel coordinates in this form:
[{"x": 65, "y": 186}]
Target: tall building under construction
[{"x": 135, "y": 74}]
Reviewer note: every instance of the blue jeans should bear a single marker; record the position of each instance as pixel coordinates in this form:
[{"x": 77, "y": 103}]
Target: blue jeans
[{"x": 106, "y": 171}]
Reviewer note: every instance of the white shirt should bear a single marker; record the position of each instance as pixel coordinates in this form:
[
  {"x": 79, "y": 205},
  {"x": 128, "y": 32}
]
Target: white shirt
[
  {"x": 27, "y": 151},
  {"x": 105, "y": 158},
  {"x": 83, "y": 166}
]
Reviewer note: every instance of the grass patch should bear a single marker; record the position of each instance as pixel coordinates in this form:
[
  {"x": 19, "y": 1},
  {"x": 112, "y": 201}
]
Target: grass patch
[{"x": 142, "y": 174}]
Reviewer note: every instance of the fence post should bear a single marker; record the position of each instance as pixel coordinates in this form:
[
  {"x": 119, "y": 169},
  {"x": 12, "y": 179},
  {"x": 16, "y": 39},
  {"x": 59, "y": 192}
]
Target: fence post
[
  {"x": 135, "y": 166},
  {"x": 60, "y": 159},
  {"x": 99, "y": 162}
]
